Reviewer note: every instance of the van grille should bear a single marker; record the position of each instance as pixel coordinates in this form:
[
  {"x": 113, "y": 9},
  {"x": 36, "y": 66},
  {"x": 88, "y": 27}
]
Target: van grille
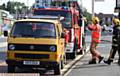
[{"x": 32, "y": 56}]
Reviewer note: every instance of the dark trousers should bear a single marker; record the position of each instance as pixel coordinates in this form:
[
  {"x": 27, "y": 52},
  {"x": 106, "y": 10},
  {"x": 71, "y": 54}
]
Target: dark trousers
[
  {"x": 119, "y": 52},
  {"x": 113, "y": 52}
]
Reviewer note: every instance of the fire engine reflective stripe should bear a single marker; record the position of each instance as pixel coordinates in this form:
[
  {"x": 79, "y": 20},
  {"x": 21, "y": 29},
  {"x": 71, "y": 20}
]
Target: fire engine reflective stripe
[
  {"x": 72, "y": 35},
  {"x": 96, "y": 39}
]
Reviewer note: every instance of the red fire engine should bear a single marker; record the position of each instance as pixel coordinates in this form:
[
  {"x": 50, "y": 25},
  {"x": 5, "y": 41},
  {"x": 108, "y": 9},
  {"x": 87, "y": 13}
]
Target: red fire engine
[{"x": 73, "y": 24}]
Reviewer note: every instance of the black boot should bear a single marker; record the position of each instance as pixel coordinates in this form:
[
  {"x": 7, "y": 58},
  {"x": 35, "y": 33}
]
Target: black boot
[
  {"x": 108, "y": 61},
  {"x": 119, "y": 62},
  {"x": 93, "y": 61},
  {"x": 100, "y": 59}
]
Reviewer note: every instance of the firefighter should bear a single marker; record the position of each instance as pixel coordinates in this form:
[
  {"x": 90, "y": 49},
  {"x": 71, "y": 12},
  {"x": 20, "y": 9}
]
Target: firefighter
[
  {"x": 115, "y": 42},
  {"x": 95, "y": 29}
]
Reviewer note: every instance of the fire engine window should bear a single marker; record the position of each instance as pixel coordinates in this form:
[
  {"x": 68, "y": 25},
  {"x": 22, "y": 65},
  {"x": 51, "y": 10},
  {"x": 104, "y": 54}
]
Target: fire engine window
[
  {"x": 67, "y": 22},
  {"x": 34, "y": 29}
]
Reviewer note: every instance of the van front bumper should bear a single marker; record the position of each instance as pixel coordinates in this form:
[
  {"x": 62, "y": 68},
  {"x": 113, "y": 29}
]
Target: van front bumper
[{"x": 42, "y": 64}]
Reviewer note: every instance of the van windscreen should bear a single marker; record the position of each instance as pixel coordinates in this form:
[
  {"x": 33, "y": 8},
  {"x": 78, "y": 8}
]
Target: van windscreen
[{"x": 33, "y": 29}]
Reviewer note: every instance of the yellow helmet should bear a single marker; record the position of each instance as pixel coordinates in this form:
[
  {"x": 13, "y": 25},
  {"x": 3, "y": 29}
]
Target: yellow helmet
[
  {"x": 116, "y": 21},
  {"x": 95, "y": 20}
]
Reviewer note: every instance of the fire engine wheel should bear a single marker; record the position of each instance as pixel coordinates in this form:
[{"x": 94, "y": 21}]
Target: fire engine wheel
[
  {"x": 84, "y": 45},
  {"x": 83, "y": 50},
  {"x": 57, "y": 69},
  {"x": 73, "y": 55},
  {"x": 11, "y": 69}
]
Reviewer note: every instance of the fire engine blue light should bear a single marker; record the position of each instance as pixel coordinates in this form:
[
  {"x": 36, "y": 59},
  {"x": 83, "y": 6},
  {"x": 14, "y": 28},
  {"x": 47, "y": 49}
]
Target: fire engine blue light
[
  {"x": 40, "y": 6},
  {"x": 65, "y": 7}
]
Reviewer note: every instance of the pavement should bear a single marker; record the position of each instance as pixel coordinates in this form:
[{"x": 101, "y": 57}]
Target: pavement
[
  {"x": 82, "y": 68},
  {"x": 69, "y": 65}
]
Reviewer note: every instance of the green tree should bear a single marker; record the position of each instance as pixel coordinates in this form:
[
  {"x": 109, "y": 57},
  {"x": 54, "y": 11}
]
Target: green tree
[
  {"x": 10, "y": 6},
  {"x": 87, "y": 14},
  {"x": 3, "y": 6}
]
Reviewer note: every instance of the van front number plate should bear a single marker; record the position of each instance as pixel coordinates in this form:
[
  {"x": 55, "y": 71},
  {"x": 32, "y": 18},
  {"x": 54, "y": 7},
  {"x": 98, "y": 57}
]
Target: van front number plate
[{"x": 31, "y": 62}]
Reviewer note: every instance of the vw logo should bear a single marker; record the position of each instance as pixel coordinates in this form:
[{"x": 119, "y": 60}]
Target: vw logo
[{"x": 31, "y": 47}]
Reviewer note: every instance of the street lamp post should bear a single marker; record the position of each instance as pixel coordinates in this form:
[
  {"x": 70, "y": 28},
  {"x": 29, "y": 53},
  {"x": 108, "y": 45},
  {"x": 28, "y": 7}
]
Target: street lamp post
[
  {"x": 16, "y": 12},
  {"x": 93, "y": 8},
  {"x": 117, "y": 8}
]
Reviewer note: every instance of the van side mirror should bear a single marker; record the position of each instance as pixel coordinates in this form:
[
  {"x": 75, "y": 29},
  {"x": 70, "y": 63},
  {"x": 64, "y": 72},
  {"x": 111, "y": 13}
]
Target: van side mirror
[{"x": 62, "y": 35}]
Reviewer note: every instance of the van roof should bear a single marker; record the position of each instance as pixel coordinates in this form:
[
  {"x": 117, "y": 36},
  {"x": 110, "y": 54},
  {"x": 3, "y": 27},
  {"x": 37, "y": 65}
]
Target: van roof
[{"x": 39, "y": 20}]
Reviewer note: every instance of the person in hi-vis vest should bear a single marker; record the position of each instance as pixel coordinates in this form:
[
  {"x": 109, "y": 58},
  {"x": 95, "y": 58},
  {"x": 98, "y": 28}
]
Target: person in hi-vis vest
[{"x": 95, "y": 29}]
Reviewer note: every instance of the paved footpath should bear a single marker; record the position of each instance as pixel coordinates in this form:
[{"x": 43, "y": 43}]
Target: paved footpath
[{"x": 82, "y": 68}]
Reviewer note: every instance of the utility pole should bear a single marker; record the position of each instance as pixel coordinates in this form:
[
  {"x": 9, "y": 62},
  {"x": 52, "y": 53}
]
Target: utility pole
[{"x": 93, "y": 8}]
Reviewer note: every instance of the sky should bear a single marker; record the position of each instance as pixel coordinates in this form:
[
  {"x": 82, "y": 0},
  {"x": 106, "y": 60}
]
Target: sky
[{"x": 106, "y": 7}]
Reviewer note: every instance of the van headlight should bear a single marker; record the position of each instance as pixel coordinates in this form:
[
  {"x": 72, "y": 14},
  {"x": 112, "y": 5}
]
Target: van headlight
[
  {"x": 11, "y": 47},
  {"x": 52, "y": 48}
]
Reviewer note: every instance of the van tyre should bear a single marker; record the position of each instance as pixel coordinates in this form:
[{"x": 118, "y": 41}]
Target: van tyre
[
  {"x": 57, "y": 69},
  {"x": 63, "y": 62},
  {"x": 73, "y": 55},
  {"x": 11, "y": 69}
]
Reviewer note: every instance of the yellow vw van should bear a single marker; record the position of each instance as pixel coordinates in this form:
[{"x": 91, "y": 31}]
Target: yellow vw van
[{"x": 36, "y": 43}]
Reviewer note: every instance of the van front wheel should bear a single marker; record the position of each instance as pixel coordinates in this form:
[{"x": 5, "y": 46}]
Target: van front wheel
[
  {"x": 57, "y": 69},
  {"x": 11, "y": 69}
]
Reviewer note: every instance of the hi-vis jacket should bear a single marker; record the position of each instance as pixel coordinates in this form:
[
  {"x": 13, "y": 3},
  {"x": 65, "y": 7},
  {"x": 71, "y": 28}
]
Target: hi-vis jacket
[{"x": 95, "y": 32}]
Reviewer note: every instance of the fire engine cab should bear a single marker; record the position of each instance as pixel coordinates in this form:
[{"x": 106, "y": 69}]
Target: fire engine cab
[{"x": 73, "y": 24}]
